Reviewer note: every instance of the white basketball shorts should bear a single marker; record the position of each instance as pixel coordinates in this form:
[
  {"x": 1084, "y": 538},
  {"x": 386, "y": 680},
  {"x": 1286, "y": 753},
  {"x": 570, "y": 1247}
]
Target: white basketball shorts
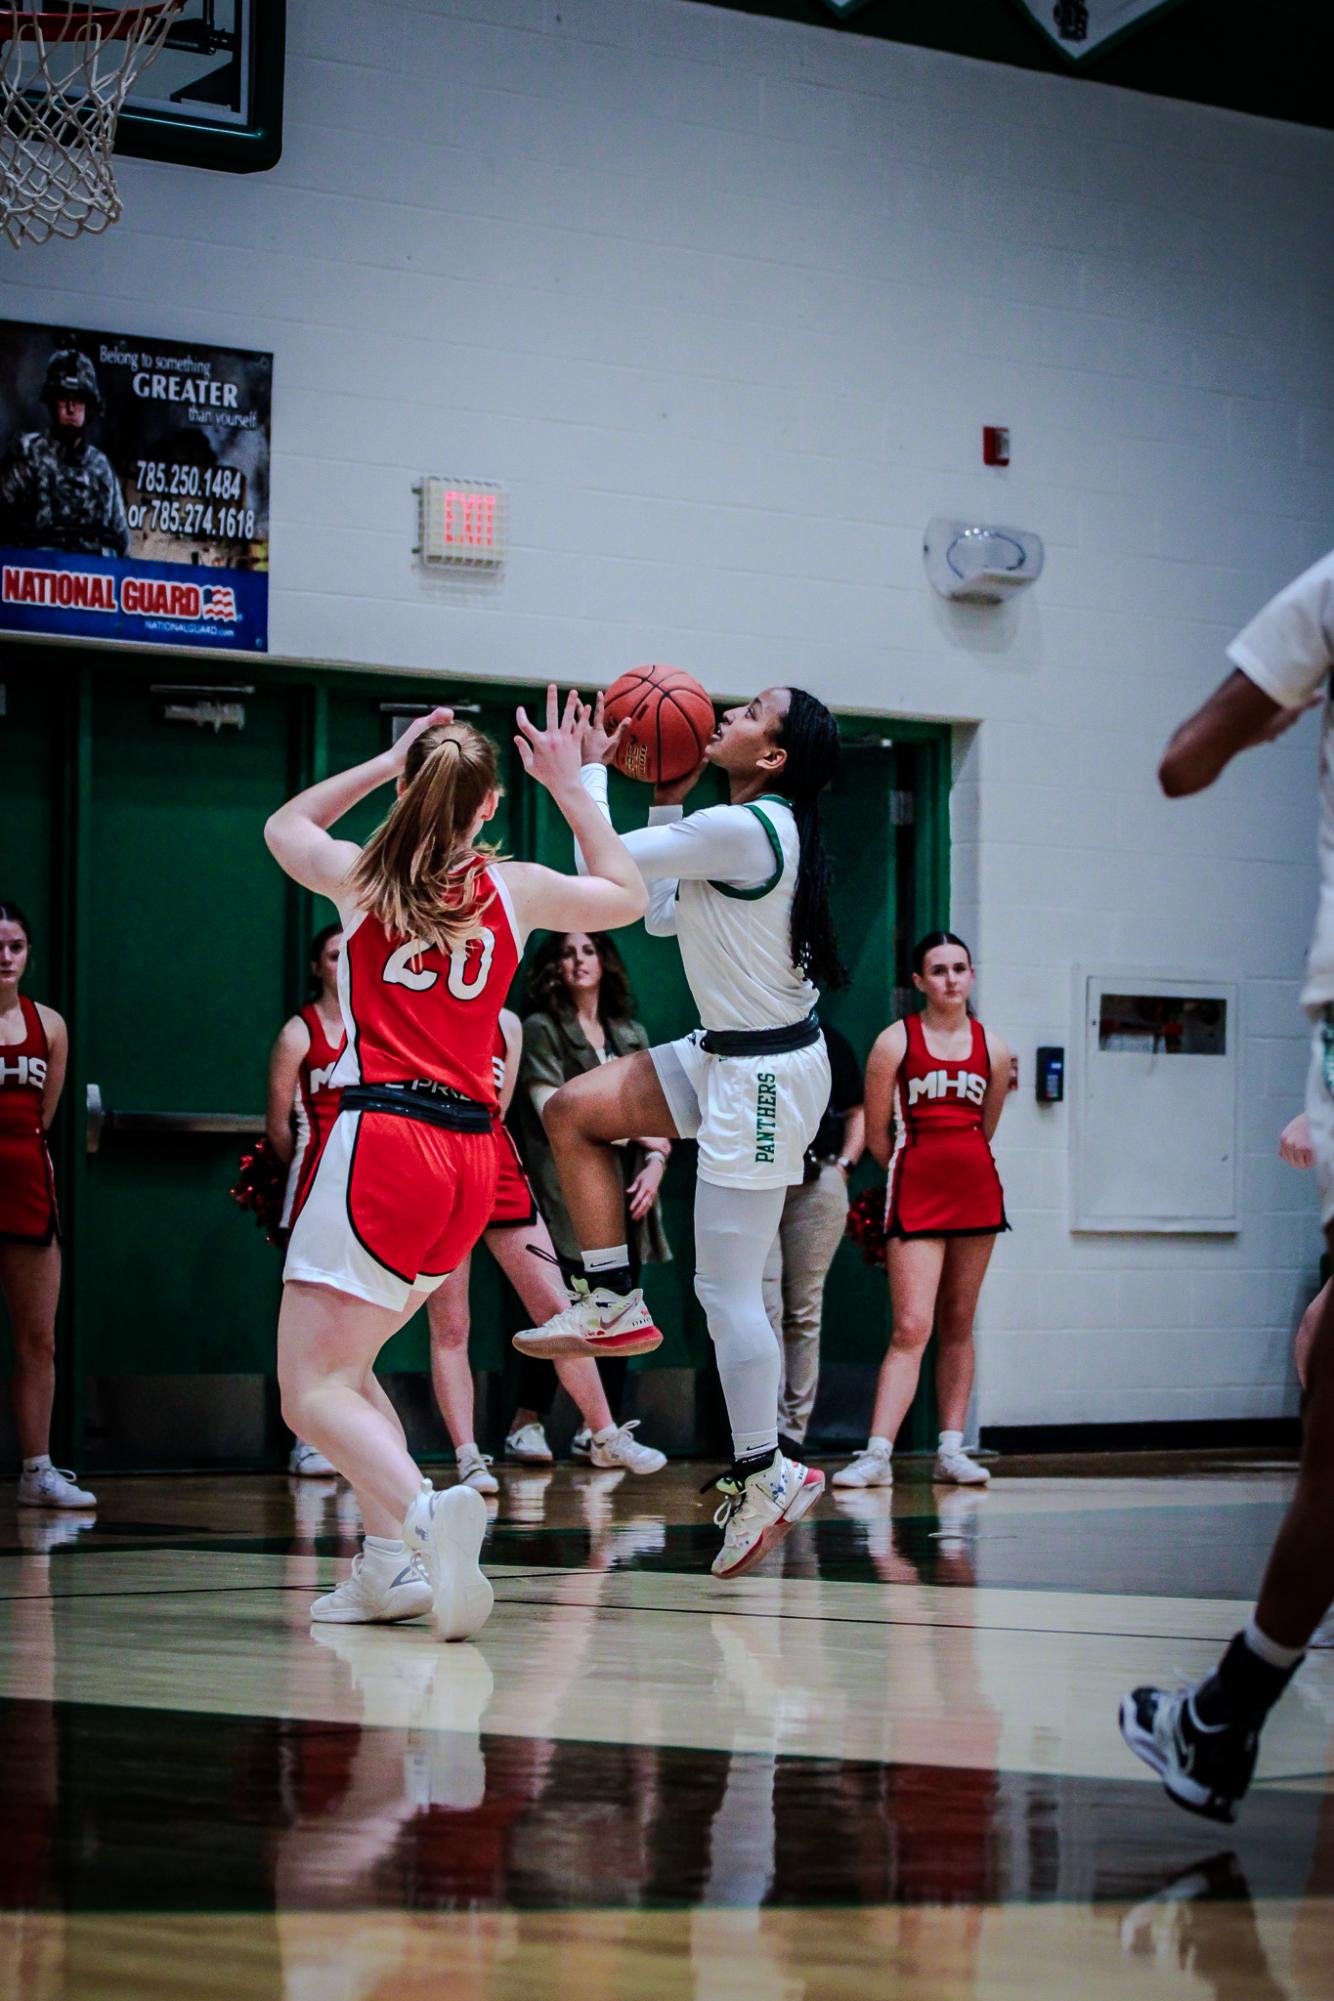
[
  {"x": 1320, "y": 1108},
  {"x": 752, "y": 1116}
]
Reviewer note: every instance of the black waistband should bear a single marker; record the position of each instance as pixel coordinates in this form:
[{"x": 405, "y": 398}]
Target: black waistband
[
  {"x": 762, "y": 1041},
  {"x": 433, "y": 1104}
]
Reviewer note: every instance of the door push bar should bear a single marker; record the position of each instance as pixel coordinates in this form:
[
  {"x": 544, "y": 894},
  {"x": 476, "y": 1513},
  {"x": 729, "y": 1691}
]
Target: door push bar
[{"x": 240, "y": 1125}]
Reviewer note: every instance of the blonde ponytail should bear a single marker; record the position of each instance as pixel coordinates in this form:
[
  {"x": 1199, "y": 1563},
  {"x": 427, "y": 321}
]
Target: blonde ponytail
[{"x": 418, "y": 873}]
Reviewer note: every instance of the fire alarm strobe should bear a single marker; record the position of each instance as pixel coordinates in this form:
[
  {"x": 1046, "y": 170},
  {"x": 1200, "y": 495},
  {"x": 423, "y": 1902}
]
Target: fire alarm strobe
[
  {"x": 980, "y": 563},
  {"x": 995, "y": 444}
]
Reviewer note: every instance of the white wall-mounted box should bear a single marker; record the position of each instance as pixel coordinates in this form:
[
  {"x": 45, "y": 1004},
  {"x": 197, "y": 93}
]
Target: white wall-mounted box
[{"x": 1154, "y": 1133}]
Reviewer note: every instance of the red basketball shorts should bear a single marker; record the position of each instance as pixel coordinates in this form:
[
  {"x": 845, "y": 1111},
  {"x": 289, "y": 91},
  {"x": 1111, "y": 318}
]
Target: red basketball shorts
[
  {"x": 393, "y": 1207},
  {"x": 515, "y": 1204},
  {"x": 27, "y": 1190}
]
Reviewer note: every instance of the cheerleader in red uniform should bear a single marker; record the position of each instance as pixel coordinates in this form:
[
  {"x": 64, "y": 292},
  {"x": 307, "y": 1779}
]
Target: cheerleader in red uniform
[
  {"x": 935, "y": 1088},
  {"x": 33, "y": 1050},
  {"x": 303, "y": 1103}
]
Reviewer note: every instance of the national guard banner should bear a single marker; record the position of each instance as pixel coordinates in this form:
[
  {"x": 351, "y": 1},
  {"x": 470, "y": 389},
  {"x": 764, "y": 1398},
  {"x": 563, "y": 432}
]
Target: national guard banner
[
  {"x": 1081, "y": 28},
  {"x": 134, "y": 488}
]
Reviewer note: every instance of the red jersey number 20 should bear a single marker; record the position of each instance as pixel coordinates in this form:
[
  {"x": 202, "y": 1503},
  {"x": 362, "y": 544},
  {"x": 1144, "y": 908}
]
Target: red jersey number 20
[{"x": 468, "y": 969}]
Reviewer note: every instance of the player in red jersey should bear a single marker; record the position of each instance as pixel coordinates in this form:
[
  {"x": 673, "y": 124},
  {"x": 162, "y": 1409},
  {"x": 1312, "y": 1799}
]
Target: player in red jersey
[
  {"x": 33, "y": 1051},
  {"x": 935, "y": 1089},
  {"x": 433, "y": 927},
  {"x": 521, "y": 1245},
  {"x": 303, "y": 1103}
]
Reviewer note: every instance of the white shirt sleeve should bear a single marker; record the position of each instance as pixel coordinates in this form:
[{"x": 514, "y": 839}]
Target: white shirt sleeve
[{"x": 1288, "y": 648}]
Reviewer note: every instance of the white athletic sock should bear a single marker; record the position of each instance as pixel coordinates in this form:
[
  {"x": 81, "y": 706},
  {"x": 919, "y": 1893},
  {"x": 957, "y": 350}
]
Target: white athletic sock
[
  {"x": 383, "y": 1552},
  {"x": 951, "y": 1441},
  {"x": 885, "y": 1446},
  {"x": 1269, "y": 1650},
  {"x": 467, "y": 1450},
  {"x": 607, "y": 1431},
  {"x": 37, "y": 1465},
  {"x": 611, "y": 1259}
]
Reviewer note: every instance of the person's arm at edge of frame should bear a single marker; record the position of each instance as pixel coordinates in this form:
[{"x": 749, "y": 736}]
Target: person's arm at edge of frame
[{"x": 882, "y": 1071}]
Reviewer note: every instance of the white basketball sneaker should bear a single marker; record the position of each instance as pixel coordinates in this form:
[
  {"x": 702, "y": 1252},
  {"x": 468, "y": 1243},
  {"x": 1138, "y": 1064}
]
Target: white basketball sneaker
[
  {"x": 308, "y": 1464},
  {"x": 52, "y": 1487},
  {"x": 954, "y": 1465},
  {"x": 596, "y": 1322},
  {"x": 475, "y": 1472},
  {"x": 529, "y": 1446},
  {"x": 623, "y": 1450},
  {"x": 375, "y": 1595},
  {"x": 445, "y": 1527},
  {"x": 873, "y": 1467},
  {"x": 759, "y": 1508}
]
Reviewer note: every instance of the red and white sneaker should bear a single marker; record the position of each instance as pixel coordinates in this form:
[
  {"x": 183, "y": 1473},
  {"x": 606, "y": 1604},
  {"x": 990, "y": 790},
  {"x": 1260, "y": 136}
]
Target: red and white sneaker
[
  {"x": 759, "y": 1508},
  {"x": 596, "y": 1322}
]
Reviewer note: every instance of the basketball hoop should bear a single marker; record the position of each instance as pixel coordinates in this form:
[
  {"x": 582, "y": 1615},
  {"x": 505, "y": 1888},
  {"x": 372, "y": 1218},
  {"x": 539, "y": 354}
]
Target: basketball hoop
[{"x": 65, "y": 71}]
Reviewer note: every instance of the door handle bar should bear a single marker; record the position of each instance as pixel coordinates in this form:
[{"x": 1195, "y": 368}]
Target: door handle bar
[{"x": 240, "y": 1125}]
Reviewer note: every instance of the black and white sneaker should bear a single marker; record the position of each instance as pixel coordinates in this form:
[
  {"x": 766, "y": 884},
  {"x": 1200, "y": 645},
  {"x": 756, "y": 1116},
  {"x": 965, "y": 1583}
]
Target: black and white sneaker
[{"x": 1206, "y": 1770}]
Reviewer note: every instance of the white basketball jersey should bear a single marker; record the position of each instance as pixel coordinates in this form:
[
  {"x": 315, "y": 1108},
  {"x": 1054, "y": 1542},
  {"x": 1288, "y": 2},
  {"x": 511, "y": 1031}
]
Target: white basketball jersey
[{"x": 736, "y": 944}]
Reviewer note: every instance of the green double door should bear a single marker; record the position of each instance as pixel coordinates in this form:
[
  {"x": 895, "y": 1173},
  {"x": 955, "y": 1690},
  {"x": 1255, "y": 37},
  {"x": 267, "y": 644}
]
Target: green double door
[{"x": 132, "y": 803}]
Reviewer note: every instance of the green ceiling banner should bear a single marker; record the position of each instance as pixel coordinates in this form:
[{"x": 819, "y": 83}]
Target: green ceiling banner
[{"x": 1082, "y": 28}]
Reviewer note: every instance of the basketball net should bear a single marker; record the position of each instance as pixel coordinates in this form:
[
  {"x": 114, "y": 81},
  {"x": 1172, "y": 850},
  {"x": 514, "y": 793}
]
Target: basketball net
[{"x": 66, "y": 68}]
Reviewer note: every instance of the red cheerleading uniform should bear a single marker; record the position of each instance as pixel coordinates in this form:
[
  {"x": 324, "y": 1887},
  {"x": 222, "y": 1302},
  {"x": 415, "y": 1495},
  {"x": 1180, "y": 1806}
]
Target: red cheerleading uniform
[
  {"x": 28, "y": 1213},
  {"x": 314, "y": 1108},
  {"x": 406, "y": 1181},
  {"x": 515, "y": 1205},
  {"x": 942, "y": 1178}
]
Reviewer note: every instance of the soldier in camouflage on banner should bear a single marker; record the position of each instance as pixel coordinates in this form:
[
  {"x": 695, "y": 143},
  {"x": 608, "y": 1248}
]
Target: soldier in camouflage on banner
[{"x": 57, "y": 490}]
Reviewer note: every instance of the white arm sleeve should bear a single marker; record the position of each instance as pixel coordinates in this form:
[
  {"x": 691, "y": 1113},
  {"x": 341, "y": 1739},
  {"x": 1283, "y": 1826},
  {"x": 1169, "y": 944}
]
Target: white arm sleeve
[
  {"x": 1288, "y": 648},
  {"x": 660, "y": 917},
  {"x": 538, "y": 1095},
  {"x": 720, "y": 844}
]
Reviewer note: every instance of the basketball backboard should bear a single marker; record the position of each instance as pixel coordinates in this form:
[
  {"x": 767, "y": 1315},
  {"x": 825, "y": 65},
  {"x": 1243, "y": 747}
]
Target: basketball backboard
[{"x": 214, "y": 96}]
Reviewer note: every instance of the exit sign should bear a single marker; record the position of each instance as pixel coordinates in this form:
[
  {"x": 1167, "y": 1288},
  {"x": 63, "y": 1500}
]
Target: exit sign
[{"x": 460, "y": 524}]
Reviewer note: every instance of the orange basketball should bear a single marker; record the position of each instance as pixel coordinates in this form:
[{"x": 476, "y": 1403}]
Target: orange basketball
[{"x": 671, "y": 719}]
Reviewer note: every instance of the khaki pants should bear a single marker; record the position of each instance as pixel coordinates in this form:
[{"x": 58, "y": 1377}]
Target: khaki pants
[{"x": 814, "y": 1216}]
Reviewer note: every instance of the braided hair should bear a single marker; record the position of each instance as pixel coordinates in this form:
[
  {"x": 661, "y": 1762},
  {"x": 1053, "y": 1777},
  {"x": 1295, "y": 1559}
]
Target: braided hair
[{"x": 809, "y": 735}]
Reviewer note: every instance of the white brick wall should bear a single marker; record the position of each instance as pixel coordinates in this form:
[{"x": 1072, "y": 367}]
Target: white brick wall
[{"x": 725, "y": 302}]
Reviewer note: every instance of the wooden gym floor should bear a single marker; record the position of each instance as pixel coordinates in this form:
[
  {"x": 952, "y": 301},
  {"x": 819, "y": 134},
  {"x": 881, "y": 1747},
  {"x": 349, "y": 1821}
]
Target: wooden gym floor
[{"x": 886, "y": 1764}]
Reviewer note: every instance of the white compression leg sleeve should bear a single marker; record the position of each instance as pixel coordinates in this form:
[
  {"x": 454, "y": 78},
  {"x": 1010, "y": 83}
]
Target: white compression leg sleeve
[{"x": 734, "y": 1231}]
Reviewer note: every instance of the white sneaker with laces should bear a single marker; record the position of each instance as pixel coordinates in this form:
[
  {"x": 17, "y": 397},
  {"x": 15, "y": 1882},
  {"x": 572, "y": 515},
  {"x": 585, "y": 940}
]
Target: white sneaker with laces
[
  {"x": 871, "y": 1468},
  {"x": 529, "y": 1445},
  {"x": 596, "y": 1322},
  {"x": 52, "y": 1487},
  {"x": 957, "y": 1467},
  {"x": 581, "y": 1445},
  {"x": 380, "y": 1596},
  {"x": 475, "y": 1471},
  {"x": 308, "y": 1464},
  {"x": 759, "y": 1508},
  {"x": 623, "y": 1450}
]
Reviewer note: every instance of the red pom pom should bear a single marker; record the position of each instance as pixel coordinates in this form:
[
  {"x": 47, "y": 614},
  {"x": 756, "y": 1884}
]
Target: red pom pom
[
  {"x": 260, "y": 1185},
  {"x": 866, "y": 1226}
]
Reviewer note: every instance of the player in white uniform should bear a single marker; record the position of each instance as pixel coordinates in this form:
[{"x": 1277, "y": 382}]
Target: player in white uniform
[
  {"x": 744, "y": 888},
  {"x": 1204, "y": 1740}
]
